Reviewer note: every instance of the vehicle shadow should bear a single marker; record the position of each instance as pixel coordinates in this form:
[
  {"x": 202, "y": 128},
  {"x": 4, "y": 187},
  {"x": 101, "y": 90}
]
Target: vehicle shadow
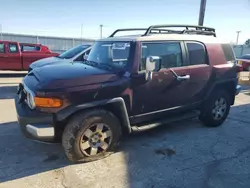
[
  {"x": 175, "y": 155},
  {"x": 21, "y": 157},
  {"x": 8, "y": 92},
  {"x": 12, "y": 75}
]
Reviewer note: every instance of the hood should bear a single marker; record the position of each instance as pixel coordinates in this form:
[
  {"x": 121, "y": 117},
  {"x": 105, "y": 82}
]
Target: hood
[
  {"x": 65, "y": 75},
  {"x": 48, "y": 61}
]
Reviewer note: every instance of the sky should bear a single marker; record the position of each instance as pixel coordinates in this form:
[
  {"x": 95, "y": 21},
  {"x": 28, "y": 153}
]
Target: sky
[{"x": 65, "y": 18}]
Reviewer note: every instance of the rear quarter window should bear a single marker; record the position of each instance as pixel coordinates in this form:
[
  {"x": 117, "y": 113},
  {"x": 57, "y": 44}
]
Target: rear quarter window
[{"x": 228, "y": 52}]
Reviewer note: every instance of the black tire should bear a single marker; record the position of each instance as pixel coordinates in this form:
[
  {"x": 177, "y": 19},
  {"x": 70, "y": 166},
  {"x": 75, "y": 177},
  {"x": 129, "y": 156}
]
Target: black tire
[
  {"x": 79, "y": 124},
  {"x": 207, "y": 117}
]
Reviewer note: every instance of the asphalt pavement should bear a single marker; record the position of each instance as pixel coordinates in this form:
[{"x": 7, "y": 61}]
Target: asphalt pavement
[{"x": 202, "y": 158}]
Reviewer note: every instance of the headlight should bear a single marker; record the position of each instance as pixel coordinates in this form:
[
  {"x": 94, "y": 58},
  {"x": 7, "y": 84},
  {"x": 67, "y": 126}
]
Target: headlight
[{"x": 30, "y": 100}]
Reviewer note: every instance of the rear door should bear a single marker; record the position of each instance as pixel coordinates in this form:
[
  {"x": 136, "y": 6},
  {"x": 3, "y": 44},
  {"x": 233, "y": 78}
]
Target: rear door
[
  {"x": 199, "y": 69},
  {"x": 14, "y": 61}
]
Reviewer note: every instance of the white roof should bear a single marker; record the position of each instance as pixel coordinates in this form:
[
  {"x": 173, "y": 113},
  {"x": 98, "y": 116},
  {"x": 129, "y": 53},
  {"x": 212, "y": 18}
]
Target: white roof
[{"x": 193, "y": 37}]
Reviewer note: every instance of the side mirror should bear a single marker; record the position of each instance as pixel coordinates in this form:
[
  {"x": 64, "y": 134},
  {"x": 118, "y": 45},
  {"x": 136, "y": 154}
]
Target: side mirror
[
  {"x": 153, "y": 64},
  {"x": 85, "y": 56}
]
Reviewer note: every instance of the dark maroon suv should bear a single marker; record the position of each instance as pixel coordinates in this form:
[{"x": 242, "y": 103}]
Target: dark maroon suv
[{"x": 129, "y": 84}]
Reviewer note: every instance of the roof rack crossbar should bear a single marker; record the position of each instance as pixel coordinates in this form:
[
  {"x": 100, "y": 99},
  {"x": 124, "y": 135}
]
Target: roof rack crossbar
[
  {"x": 200, "y": 32},
  {"x": 138, "y": 29},
  {"x": 187, "y": 28}
]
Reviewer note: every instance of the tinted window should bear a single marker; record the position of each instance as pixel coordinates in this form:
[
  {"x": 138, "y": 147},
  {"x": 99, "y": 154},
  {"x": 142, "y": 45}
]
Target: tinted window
[
  {"x": 2, "y": 49},
  {"x": 228, "y": 52},
  {"x": 13, "y": 48},
  {"x": 197, "y": 54},
  {"x": 169, "y": 52},
  {"x": 30, "y": 48}
]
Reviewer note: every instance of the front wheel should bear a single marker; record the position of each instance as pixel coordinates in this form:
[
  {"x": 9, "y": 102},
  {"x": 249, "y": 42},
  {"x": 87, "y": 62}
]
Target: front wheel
[
  {"x": 216, "y": 109},
  {"x": 91, "y": 136}
]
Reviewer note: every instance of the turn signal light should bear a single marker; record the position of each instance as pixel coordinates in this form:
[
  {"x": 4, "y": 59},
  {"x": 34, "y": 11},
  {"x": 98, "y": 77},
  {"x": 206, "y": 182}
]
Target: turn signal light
[{"x": 48, "y": 102}]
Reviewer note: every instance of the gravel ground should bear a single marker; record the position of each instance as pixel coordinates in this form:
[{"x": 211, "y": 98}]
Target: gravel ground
[{"x": 204, "y": 157}]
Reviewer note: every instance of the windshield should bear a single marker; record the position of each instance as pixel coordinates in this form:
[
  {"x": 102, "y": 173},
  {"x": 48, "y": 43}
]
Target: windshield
[
  {"x": 245, "y": 57},
  {"x": 110, "y": 53},
  {"x": 73, "y": 51}
]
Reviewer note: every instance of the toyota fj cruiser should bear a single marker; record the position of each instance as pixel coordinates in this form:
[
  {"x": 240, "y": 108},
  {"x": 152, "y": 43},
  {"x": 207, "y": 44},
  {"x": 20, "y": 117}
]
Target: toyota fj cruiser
[{"x": 129, "y": 84}]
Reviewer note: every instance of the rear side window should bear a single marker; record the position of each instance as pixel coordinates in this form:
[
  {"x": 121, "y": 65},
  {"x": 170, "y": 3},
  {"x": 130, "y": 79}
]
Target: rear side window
[
  {"x": 228, "y": 52},
  {"x": 30, "y": 48},
  {"x": 13, "y": 48},
  {"x": 196, "y": 53},
  {"x": 2, "y": 49}
]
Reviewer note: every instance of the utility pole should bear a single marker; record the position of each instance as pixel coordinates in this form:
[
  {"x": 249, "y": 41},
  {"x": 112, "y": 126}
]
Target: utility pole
[
  {"x": 81, "y": 31},
  {"x": 101, "y": 30},
  {"x": 202, "y": 12},
  {"x": 237, "y": 38},
  {"x": 1, "y": 32}
]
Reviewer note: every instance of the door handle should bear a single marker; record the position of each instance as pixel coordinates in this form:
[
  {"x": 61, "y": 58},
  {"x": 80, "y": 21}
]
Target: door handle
[{"x": 182, "y": 78}]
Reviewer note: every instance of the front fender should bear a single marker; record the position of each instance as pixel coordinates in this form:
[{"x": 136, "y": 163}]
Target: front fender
[{"x": 118, "y": 104}]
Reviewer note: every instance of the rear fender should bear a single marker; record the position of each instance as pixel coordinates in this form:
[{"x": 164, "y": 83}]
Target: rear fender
[{"x": 229, "y": 85}]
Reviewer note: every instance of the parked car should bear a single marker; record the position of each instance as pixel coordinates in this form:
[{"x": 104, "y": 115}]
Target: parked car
[
  {"x": 126, "y": 85},
  {"x": 77, "y": 53},
  {"x": 245, "y": 62},
  {"x": 16, "y": 56}
]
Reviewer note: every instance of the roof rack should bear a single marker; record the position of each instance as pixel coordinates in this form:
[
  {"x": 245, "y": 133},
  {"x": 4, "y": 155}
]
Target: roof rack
[
  {"x": 139, "y": 29},
  {"x": 194, "y": 29},
  {"x": 162, "y": 29}
]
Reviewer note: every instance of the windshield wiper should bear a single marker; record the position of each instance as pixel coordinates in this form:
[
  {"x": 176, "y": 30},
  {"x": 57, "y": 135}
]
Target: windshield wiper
[{"x": 94, "y": 63}]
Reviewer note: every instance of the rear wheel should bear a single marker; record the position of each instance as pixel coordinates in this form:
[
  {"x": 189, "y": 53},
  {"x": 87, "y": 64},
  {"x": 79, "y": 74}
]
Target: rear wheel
[
  {"x": 91, "y": 136},
  {"x": 216, "y": 109}
]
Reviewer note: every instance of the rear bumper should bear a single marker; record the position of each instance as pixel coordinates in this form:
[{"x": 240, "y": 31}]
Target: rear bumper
[
  {"x": 238, "y": 89},
  {"x": 34, "y": 124}
]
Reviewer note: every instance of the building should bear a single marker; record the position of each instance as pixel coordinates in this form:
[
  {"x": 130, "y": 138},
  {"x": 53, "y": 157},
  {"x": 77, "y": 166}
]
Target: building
[{"x": 56, "y": 44}]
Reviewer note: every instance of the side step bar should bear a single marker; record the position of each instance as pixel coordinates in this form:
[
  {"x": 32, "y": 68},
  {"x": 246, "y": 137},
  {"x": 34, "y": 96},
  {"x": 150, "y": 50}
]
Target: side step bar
[{"x": 152, "y": 125}]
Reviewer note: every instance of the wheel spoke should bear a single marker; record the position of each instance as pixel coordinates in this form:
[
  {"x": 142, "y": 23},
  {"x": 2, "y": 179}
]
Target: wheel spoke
[
  {"x": 107, "y": 134},
  {"x": 99, "y": 127},
  {"x": 93, "y": 151},
  {"x": 104, "y": 145},
  {"x": 85, "y": 145},
  {"x": 88, "y": 133},
  {"x": 216, "y": 103}
]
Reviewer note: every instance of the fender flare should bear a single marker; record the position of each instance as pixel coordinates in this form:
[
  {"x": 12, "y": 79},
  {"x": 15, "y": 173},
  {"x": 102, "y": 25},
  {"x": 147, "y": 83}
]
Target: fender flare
[
  {"x": 119, "y": 101},
  {"x": 217, "y": 83}
]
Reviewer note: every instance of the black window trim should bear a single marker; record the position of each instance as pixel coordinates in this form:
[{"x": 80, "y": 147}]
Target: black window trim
[
  {"x": 187, "y": 54},
  {"x": 4, "y": 50},
  {"x": 16, "y": 48},
  {"x": 183, "y": 51}
]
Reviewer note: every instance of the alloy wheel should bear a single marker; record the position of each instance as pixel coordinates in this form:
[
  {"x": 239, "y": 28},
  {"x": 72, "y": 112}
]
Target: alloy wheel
[{"x": 96, "y": 139}]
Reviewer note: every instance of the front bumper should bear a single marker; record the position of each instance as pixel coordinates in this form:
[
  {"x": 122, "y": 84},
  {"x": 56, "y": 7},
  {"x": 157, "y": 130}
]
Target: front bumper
[
  {"x": 34, "y": 124},
  {"x": 238, "y": 89}
]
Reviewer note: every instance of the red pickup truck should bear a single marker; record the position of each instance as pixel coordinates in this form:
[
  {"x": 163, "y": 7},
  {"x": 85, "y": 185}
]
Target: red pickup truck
[{"x": 18, "y": 56}]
